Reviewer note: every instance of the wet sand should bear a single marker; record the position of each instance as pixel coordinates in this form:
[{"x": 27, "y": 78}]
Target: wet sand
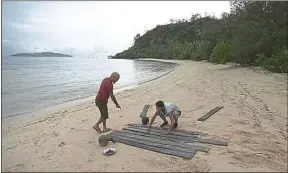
[{"x": 253, "y": 122}]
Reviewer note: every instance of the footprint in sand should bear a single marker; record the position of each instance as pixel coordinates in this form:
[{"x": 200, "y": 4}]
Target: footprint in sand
[
  {"x": 62, "y": 144},
  {"x": 55, "y": 133},
  {"x": 78, "y": 129}
]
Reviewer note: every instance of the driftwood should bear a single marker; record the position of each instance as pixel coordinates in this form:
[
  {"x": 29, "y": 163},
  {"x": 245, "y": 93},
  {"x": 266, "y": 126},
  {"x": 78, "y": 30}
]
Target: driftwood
[
  {"x": 168, "y": 136},
  {"x": 154, "y": 136},
  {"x": 210, "y": 141},
  {"x": 166, "y": 128},
  {"x": 163, "y": 132},
  {"x": 181, "y": 138},
  {"x": 154, "y": 144},
  {"x": 161, "y": 141},
  {"x": 185, "y": 155},
  {"x": 144, "y": 111},
  {"x": 210, "y": 113}
]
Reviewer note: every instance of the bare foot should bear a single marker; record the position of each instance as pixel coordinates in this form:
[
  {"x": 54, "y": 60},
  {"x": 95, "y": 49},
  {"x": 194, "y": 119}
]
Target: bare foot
[
  {"x": 106, "y": 130},
  {"x": 97, "y": 129}
]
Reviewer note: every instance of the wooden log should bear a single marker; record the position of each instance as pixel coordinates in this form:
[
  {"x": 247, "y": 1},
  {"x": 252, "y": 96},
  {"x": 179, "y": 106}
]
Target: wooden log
[
  {"x": 154, "y": 136},
  {"x": 210, "y": 113},
  {"x": 159, "y": 135},
  {"x": 144, "y": 111},
  {"x": 166, "y": 128},
  {"x": 161, "y": 141},
  {"x": 179, "y": 138},
  {"x": 154, "y": 144},
  {"x": 210, "y": 141},
  {"x": 163, "y": 132},
  {"x": 185, "y": 155}
]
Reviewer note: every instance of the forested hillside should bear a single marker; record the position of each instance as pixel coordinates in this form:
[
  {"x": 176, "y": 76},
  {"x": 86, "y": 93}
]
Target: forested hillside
[{"x": 253, "y": 33}]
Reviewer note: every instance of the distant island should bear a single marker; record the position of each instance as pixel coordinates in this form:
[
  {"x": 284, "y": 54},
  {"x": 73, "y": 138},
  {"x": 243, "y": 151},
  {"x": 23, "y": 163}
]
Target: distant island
[{"x": 42, "y": 54}]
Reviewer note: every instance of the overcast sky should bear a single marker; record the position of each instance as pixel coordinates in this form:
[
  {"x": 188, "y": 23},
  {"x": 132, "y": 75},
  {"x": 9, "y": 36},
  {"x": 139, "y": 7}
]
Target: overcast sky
[{"x": 89, "y": 28}]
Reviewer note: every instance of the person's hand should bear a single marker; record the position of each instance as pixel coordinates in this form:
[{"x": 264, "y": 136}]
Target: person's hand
[{"x": 118, "y": 106}]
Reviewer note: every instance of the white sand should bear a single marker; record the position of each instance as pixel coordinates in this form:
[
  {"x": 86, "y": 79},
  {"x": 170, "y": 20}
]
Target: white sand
[{"x": 253, "y": 122}]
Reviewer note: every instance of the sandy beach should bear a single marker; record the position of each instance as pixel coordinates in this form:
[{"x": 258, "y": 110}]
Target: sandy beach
[{"x": 253, "y": 122}]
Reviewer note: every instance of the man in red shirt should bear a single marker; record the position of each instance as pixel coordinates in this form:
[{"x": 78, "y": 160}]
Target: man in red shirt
[{"x": 101, "y": 100}]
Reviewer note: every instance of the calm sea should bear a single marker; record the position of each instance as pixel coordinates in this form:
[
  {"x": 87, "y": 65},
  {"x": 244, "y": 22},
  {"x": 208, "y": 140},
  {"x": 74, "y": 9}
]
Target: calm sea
[{"x": 32, "y": 83}]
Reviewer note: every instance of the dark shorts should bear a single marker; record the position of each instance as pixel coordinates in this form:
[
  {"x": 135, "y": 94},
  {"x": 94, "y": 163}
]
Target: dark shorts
[{"x": 103, "y": 109}]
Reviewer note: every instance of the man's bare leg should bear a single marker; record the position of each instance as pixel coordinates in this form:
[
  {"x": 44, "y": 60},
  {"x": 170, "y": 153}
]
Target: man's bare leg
[
  {"x": 105, "y": 129},
  {"x": 176, "y": 121},
  {"x": 176, "y": 115},
  {"x": 96, "y": 126}
]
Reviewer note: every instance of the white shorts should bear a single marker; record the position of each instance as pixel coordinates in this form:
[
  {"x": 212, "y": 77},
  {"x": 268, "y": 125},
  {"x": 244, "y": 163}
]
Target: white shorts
[{"x": 176, "y": 115}]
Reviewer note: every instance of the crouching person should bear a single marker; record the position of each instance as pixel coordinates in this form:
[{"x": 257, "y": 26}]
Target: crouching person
[{"x": 165, "y": 109}]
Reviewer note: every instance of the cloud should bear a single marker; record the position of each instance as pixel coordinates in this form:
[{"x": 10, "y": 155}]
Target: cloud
[{"x": 89, "y": 27}]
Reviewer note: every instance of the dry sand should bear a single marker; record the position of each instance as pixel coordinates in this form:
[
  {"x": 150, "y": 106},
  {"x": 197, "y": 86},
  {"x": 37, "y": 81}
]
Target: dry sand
[{"x": 253, "y": 121}]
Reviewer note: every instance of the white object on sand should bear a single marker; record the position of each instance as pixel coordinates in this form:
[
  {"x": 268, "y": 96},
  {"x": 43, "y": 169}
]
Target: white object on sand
[{"x": 109, "y": 151}]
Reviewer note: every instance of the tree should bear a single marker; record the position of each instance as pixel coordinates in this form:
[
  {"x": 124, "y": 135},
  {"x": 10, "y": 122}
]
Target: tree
[
  {"x": 252, "y": 33},
  {"x": 136, "y": 37}
]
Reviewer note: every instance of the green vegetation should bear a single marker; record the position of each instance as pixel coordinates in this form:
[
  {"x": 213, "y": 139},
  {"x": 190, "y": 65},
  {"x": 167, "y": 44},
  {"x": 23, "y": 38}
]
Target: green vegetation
[
  {"x": 223, "y": 52},
  {"x": 253, "y": 33}
]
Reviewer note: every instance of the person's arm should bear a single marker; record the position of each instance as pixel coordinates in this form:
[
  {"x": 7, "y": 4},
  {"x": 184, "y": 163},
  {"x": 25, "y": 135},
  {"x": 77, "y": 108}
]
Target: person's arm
[
  {"x": 152, "y": 120},
  {"x": 172, "y": 121},
  {"x": 114, "y": 99}
]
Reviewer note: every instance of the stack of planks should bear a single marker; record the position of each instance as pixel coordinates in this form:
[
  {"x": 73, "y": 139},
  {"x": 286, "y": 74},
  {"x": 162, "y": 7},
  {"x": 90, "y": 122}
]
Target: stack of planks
[{"x": 179, "y": 143}]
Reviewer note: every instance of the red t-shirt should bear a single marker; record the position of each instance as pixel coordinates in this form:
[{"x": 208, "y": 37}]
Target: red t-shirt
[{"x": 105, "y": 88}]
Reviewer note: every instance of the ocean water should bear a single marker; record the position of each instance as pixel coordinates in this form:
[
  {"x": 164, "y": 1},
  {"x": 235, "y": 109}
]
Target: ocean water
[{"x": 32, "y": 83}]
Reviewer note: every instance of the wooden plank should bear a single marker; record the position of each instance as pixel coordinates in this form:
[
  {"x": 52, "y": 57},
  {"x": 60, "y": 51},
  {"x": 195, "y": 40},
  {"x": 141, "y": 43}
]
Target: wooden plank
[
  {"x": 179, "y": 138},
  {"x": 166, "y": 128},
  {"x": 185, "y": 155},
  {"x": 163, "y": 132},
  {"x": 154, "y": 144},
  {"x": 154, "y": 136},
  {"x": 161, "y": 141},
  {"x": 210, "y": 141},
  {"x": 158, "y": 150},
  {"x": 210, "y": 113},
  {"x": 167, "y": 137},
  {"x": 182, "y": 138},
  {"x": 144, "y": 111}
]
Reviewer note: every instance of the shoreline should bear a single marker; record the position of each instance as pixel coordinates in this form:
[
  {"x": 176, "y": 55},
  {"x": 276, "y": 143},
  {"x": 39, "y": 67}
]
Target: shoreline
[
  {"x": 89, "y": 98},
  {"x": 253, "y": 122}
]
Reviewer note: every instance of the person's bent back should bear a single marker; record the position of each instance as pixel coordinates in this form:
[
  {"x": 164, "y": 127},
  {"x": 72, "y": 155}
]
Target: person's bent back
[{"x": 166, "y": 109}]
